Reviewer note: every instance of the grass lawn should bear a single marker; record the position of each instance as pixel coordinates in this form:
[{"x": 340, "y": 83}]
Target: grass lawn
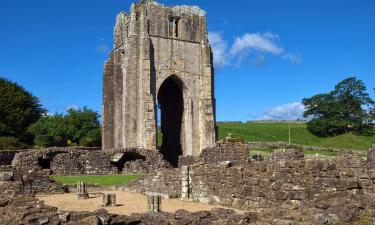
[
  {"x": 102, "y": 180},
  {"x": 266, "y": 153},
  {"x": 300, "y": 135}
]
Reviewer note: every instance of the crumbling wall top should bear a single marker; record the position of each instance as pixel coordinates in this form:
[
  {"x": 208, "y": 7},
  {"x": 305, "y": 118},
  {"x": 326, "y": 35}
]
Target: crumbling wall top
[{"x": 178, "y": 10}]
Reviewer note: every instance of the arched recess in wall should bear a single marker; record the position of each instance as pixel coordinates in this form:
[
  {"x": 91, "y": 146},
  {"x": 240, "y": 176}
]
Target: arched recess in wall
[{"x": 171, "y": 104}]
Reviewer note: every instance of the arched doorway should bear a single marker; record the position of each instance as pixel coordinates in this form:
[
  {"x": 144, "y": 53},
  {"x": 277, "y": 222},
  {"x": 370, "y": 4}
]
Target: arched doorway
[{"x": 171, "y": 104}]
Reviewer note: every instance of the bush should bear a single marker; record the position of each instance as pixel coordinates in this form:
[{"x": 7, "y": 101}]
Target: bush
[
  {"x": 92, "y": 139},
  {"x": 45, "y": 140},
  {"x": 11, "y": 143},
  {"x": 77, "y": 127}
]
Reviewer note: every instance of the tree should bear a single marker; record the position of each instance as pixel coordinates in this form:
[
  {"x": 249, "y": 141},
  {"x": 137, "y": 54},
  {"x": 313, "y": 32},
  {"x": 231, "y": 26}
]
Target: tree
[
  {"x": 80, "y": 122},
  {"x": 51, "y": 130},
  {"x": 18, "y": 109},
  {"x": 77, "y": 127},
  {"x": 347, "y": 108}
]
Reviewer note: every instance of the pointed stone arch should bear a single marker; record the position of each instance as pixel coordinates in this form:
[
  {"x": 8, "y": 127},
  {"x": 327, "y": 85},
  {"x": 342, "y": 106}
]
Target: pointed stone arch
[{"x": 144, "y": 58}]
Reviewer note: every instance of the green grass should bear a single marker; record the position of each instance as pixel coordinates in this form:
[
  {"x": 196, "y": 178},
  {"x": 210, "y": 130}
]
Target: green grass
[
  {"x": 266, "y": 153},
  {"x": 102, "y": 180},
  {"x": 300, "y": 135}
]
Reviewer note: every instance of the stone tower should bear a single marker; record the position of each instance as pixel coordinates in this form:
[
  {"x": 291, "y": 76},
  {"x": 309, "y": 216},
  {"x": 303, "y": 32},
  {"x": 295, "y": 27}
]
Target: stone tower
[{"x": 161, "y": 59}]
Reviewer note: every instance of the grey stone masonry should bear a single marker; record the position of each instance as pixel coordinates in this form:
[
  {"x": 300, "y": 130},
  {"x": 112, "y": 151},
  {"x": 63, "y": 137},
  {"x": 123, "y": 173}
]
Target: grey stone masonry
[{"x": 154, "y": 44}]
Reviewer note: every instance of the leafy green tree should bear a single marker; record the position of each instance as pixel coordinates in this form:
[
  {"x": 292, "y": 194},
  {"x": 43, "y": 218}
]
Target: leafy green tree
[
  {"x": 80, "y": 122},
  {"x": 77, "y": 127},
  {"x": 55, "y": 127},
  {"x": 18, "y": 109},
  {"x": 93, "y": 138},
  {"x": 347, "y": 108}
]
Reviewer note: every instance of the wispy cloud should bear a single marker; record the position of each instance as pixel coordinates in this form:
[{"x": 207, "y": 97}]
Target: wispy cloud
[
  {"x": 219, "y": 48},
  {"x": 266, "y": 42},
  {"x": 103, "y": 48},
  {"x": 289, "y": 111},
  {"x": 294, "y": 58},
  {"x": 256, "y": 45}
]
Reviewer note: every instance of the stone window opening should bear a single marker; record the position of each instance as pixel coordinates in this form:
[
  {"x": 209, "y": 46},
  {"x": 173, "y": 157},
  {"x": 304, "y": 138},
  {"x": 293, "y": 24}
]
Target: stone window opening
[
  {"x": 44, "y": 163},
  {"x": 173, "y": 27}
]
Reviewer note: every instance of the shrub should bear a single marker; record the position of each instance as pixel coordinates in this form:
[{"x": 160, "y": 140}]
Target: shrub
[
  {"x": 78, "y": 126},
  {"x": 11, "y": 143},
  {"x": 45, "y": 140},
  {"x": 92, "y": 139}
]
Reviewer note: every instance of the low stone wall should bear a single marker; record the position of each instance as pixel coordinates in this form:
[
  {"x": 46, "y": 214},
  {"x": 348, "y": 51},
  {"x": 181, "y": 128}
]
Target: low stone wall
[
  {"x": 166, "y": 182},
  {"x": 328, "y": 190},
  {"x": 235, "y": 152},
  {"x": 70, "y": 161}
]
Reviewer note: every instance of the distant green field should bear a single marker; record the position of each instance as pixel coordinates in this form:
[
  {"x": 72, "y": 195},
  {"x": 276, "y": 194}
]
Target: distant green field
[
  {"x": 102, "y": 180},
  {"x": 299, "y": 135}
]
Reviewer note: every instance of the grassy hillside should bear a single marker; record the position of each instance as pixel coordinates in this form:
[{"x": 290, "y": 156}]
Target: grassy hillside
[{"x": 300, "y": 135}]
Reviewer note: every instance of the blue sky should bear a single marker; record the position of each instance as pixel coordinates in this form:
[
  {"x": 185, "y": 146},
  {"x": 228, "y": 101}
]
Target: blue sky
[{"x": 269, "y": 54}]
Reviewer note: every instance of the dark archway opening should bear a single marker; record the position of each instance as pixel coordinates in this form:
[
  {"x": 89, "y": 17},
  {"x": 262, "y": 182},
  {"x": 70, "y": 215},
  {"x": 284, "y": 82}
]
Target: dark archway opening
[
  {"x": 44, "y": 163},
  {"x": 171, "y": 104},
  {"x": 120, "y": 160}
]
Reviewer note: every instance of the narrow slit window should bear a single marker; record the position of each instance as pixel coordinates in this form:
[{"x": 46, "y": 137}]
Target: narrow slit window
[
  {"x": 176, "y": 27},
  {"x": 173, "y": 27},
  {"x": 170, "y": 27}
]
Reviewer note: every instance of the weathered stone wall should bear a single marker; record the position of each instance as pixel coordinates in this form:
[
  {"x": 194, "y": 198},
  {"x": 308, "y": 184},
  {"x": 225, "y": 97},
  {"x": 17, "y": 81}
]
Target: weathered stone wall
[
  {"x": 6, "y": 157},
  {"x": 237, "y": 153},
  {"x": 69, "y": 161},
  {"x": 276, "y": 183},
  {"x": 286, "y": 186},
  {"x": 166, "y": 182},
  {"x": 371, "y": 158},
  {"x": 153, "y": 43}
]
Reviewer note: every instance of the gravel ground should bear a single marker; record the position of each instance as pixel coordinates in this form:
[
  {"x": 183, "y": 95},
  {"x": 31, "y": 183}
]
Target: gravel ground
[{"x": 128, "y": 203}]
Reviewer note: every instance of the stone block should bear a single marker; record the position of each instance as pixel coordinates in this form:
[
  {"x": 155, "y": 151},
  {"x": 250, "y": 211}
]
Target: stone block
[{"x": 6, "y": 176}]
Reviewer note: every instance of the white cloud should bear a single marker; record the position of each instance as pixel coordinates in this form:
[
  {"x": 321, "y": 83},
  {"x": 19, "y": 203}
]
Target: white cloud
[
  {"x": 219, "y": 48},
  {"x": 289, "y": 111},
  {"x": 254, "y": 45},
  {"x": 294, "y": 58},
  {"x": 266, "y": 42},
  {"x": 103, "y": 48}
]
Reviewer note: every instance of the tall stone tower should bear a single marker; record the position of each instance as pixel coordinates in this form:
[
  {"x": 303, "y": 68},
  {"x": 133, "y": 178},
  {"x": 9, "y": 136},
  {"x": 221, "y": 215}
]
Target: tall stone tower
[{"x": 161, "y": 59}]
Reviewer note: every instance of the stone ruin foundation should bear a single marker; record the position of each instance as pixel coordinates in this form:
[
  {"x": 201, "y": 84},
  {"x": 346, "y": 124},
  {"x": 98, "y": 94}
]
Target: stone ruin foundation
[
  {"x": 285, "y": 189},
  {"x": 82, "y": 192},
  {"x": 109, "y": 199},
  {"x": 154, "y": 203},
  {"x": 162, "y": 58}
]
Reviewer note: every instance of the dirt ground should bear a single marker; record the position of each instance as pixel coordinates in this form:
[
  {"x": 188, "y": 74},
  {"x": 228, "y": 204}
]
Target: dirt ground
[{"x": 128, "y": 203}]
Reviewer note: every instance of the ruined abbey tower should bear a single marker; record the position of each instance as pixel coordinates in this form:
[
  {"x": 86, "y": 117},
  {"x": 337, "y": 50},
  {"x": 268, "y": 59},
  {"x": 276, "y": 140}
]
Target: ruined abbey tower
[{"x": 161, "y": 59}]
